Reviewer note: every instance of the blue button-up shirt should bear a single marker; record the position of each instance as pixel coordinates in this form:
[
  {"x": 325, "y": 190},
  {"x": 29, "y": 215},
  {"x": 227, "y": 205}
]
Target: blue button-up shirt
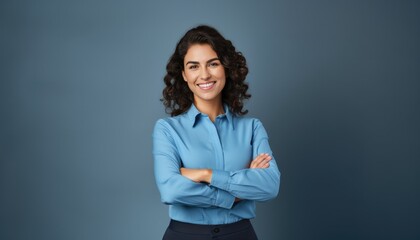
[{"x": 227, "y": 146}]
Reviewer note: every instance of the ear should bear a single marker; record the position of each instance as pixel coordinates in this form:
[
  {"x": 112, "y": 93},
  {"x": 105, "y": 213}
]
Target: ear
[{"x": 183, "y": 75}]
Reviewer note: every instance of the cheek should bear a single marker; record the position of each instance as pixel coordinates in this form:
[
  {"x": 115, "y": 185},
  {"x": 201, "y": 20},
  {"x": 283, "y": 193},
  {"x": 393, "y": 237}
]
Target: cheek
[
  {"x": 188, "y": 77},
  {"x": 219, "y": 73},
  {"x": 223, "y": 83}
]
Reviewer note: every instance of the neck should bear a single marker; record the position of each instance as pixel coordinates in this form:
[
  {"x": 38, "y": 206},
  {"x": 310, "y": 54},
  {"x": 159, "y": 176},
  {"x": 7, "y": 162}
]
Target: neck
[{"x": 212, "y": 108}]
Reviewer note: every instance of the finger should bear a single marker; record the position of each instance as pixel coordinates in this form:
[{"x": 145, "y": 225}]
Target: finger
[
  {"x": 256, "y": 160},
  {"x": 259, "y": 158},
  {"x": 264, "y": 161},
  {"x": 260, "y": 161}
]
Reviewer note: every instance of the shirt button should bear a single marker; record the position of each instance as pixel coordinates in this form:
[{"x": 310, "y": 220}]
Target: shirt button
[{"x": 216, "y": 230}]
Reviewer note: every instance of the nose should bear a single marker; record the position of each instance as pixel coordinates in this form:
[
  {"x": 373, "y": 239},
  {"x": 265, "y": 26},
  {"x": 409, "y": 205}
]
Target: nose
[{"x": 205, "y": 74}]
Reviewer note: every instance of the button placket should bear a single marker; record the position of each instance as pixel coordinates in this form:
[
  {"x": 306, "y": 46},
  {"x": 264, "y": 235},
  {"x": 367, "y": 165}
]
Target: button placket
[
  {"x": 217, "y": 145},
  {"x": 214, "y": 140}
]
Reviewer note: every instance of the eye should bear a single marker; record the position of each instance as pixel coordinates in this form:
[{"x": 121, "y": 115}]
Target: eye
[
  {"x": 193, "y": 66},
  {"x": 214, "y": 64}
]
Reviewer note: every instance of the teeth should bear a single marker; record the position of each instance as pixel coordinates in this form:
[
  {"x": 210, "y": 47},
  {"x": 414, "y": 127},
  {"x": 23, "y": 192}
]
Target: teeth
[{"x": 206, "y": 85}]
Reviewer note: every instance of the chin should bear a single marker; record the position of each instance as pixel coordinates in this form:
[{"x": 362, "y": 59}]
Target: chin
[{"x": 209, "y": 98}]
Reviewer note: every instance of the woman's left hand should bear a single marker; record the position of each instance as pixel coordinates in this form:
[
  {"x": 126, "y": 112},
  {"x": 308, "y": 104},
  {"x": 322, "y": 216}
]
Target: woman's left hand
[
  {"x": 197, "y": 175},
  {"x": 261, "y": 161}
]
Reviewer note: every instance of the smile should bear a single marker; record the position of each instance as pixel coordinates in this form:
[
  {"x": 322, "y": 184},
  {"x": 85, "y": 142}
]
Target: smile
[{"x": 206, "y": 86}]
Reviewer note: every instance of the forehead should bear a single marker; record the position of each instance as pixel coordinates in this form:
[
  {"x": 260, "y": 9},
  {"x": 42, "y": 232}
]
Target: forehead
[{"x": 200, "y": 53}]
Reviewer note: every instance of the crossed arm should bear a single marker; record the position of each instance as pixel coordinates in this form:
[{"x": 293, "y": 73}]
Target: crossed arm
[
  {"x": 205, "y": 175},
  {"x": 208, "y": 188}
]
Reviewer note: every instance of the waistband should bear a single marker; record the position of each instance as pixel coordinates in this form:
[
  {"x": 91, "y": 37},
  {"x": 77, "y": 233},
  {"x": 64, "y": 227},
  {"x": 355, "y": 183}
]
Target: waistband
[{"x": 210, "y": 229}]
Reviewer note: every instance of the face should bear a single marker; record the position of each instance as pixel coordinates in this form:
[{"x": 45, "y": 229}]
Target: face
[{"x": 204, "y": 73}]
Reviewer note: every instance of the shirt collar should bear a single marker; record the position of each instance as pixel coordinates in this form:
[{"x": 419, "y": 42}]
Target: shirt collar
[{"x": 193, "y": 114}]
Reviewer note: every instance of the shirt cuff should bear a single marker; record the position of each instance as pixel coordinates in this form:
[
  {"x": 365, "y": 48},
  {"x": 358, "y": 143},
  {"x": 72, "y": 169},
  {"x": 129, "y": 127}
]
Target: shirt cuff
[
  {"x": 220, "y": 179},
  {"x": 224, "y": 199}
]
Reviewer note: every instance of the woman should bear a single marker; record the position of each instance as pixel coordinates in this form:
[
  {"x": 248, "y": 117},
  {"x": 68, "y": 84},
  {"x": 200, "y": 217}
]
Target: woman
[{"x": 211, "y": 163}]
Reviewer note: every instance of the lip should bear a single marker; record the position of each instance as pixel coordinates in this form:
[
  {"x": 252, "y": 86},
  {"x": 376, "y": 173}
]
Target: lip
[{"x": 206, "y": 85}]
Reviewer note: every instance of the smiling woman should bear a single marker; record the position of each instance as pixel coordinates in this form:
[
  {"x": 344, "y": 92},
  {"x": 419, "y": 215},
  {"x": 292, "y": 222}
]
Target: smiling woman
[
  {"x": 211, "y": 163},
  {"x": 205, "y": 77},
  {"x": 177, "y": 97}
]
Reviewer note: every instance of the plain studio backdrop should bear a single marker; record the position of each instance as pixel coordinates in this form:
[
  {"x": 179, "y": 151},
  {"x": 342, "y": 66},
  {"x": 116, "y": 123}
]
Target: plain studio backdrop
[{"x": 336, "y": 84}]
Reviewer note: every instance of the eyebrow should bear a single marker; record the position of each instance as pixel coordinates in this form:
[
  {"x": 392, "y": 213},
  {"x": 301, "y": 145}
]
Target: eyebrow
[{"x": 195, "y": 62}]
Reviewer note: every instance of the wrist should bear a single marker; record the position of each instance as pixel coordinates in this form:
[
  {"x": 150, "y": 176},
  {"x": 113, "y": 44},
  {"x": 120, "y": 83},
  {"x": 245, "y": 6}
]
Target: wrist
[{"x": 206, "y": 175}]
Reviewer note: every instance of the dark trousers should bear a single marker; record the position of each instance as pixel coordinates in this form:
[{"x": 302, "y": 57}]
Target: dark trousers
[{"x": 241, "y": 230}]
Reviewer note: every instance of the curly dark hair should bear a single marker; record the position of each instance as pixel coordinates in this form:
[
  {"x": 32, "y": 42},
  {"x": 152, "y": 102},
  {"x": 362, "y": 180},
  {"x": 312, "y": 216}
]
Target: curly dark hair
[{"x": 177, "y": 97}]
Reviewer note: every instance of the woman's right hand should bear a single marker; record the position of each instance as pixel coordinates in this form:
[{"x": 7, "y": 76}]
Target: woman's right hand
[{"x": 261, "y": 161}]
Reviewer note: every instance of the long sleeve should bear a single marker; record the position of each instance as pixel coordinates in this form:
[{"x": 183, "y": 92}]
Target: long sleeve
[
  {"x": 175, "y": 188},
  {"x": 251, "y": 184}
]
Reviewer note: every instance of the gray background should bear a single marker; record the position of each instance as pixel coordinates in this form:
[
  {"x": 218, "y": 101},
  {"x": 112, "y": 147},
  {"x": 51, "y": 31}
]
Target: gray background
[{"x": 336, "y": 84}]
